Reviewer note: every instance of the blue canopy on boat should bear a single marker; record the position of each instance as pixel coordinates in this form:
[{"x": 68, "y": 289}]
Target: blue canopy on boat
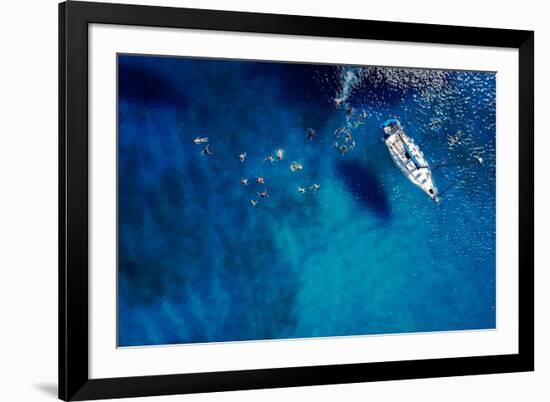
[{"x": 389, "y": 123}]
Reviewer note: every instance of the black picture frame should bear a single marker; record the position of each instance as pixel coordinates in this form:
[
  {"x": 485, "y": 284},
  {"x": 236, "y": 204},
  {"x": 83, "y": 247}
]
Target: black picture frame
[{"x": 74, "y": 381}]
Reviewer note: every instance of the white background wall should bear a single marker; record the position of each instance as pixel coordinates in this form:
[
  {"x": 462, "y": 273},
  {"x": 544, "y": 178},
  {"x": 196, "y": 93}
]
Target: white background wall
[{"x": 28, "y": 198}]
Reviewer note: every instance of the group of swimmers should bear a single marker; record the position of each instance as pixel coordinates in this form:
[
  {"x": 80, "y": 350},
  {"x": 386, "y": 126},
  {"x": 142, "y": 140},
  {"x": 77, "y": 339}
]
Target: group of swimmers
[
  {"x": 344, "y": 143},
  {"x": 279, "y": 156},
  {"x": 344, "y": 137}
]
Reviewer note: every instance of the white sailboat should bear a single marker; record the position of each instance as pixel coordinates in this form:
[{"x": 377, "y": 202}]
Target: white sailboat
[{"x": 408, "y": 157}]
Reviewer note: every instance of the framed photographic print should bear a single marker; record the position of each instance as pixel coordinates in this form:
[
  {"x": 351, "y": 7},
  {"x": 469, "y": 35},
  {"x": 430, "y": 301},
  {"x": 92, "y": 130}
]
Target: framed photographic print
[{"x": 256, "y": 201}]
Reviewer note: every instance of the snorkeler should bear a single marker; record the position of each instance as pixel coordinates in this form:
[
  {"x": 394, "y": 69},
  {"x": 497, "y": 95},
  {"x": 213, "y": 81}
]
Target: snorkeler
[
  {"x": 348, "y": 137},
  {"x": 260, "y": 180},
  {"x": 343, "y": 149},
  {"x": 264, "y": 194},
  {"x": 200, "y": 140},
  {"x": 453, "y": 140},
  {"x": 244, "y": 181},
  {"x": 302, "y": 190},
  {"x": 253, "y": 202},
  {"x": 295, "y": 166},
  {"x": 435, "y": 123},
  {"x": 280, "y": 154},
  {"x": 315, "y": 187},
  {"x": 310, "y": 133},
  {"x": 206, "y": 151},
  {"x": 242, "y": 157}
]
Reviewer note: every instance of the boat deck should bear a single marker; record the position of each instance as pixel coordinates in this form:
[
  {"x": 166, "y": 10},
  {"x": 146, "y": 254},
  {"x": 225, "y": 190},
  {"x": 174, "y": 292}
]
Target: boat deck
[{"x": 408, "y": 157}]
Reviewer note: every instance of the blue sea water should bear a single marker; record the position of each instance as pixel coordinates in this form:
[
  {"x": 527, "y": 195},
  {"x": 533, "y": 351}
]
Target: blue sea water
[{"x": 367, "y": 253}]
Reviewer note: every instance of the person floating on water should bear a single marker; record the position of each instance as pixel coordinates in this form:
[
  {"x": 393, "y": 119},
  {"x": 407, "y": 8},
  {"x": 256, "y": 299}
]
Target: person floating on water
[
  {"x": 295, "y": 166},
  {"x": 269, "y": 158},
  {"x": 206, "y": 151},
  {"x": 253, "y": 202},
  {"x": 242, "y": 157},
  {"x": 260, "y": 180},
  {"x": 453, "y": 140},
  {"x": 348, "y": 142},
  {"x": 244, "y": 181},
  {"x": 310, "y": 133},
  {"x": 315, "y": 187},
  {"x": 341, "y": 131},
  {"x": 264, "y": 194},
  {"x": 343, "y": 149},
  {"x": 200, "y": 140},
  {"x": 435, "y": 123},
  {"x": 280, "y": 154},
  {"x": 302, "y": 190}
]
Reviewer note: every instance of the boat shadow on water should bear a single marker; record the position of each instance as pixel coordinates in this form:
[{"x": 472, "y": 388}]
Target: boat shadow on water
[{"x": 366, "y": 188}]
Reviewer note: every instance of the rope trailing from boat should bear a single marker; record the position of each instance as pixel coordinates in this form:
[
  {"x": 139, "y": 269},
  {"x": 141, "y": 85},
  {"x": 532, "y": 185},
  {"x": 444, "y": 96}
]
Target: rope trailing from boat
[
  {"x": 477, "y": 161},
  {"x": 447, "y": 189},
  {"x": 443, "y": 164}
]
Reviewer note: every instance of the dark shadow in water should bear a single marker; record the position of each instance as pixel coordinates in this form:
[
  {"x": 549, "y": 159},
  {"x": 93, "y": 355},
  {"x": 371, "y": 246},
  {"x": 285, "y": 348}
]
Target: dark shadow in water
[{"x": 366, "y": 188}]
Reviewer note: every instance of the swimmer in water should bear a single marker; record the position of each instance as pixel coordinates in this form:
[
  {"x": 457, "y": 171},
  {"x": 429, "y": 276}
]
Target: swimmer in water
[
  {"x": 206, "y": 151},
  {"x": 244, "y": 182},
  {"x": 200, "y": 140},
  {"x": 315, "y": 187},
  {"x": 253, "y": 202},
  {"x": 280, "y": 154},
  {"x": 435, "y": 123},
  {"x": 302, "y": 190},
  {"x": 242, "y": 157},
  {"x": 338, "y": 101},
  {"x": 264, "y": 194},
  {"x": 310, "y": 133},
  {"x": 260, "y": 180},
  {"x": 453, "y": 140},
  {"x": 295, "y": 166},
  {"x": 269, "y": 158},
  {"x": 343, "y": 149},
  {"x": 348, "y": 137}
]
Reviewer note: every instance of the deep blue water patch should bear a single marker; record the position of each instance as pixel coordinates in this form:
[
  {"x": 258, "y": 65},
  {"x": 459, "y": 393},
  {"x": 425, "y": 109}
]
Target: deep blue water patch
[
  {"x": 366, "y": 187},
  {"x": 365, "y": 252}
]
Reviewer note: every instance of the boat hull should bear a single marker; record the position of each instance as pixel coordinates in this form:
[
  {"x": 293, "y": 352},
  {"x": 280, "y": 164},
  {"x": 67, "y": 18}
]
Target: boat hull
[{"x": 408, "y": 158}]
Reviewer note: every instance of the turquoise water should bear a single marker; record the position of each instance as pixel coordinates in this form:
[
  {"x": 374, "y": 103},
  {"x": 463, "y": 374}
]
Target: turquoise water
[{"x": 366, "y": 253}]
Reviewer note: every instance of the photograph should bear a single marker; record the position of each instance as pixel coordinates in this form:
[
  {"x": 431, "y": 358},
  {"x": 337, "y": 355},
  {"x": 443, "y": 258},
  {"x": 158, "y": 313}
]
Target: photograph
[
  {"x": 273, "y": 200},
  {"x": 214, "y": 201}
]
